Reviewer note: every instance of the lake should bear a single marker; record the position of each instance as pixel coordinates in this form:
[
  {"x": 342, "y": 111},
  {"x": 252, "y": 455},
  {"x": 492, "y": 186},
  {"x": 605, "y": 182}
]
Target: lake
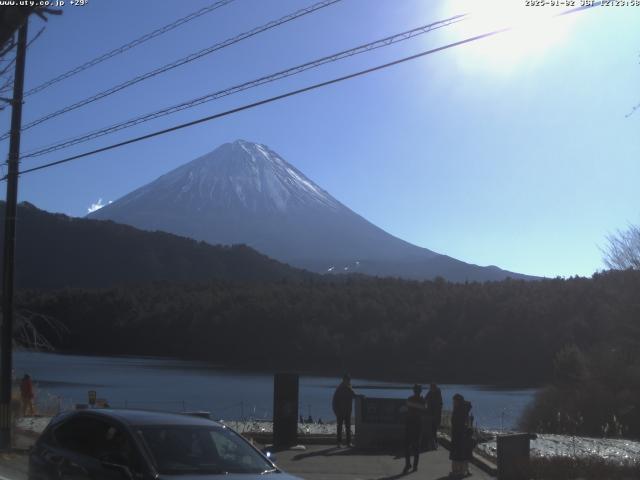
[{"x": 175, "y": 385}]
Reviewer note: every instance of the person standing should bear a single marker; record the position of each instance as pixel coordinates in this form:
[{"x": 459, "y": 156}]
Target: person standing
[
  {"x": 342, "y": 402},
  {"x": 26, "y": 393},
  {"x": 413, "y": 428},
  {"x": 460, "y": 452},
  {"x": 468, "y": 438},
  {"x": 433, "y": 399}
]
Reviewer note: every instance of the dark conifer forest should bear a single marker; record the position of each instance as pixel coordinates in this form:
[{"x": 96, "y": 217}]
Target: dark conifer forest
[{"x": 501, "y": 332}]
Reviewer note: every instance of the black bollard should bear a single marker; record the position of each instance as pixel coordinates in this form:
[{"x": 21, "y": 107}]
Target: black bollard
[
  {"x": 285, "y": 409},
  {"x": 513, "y": 456}
]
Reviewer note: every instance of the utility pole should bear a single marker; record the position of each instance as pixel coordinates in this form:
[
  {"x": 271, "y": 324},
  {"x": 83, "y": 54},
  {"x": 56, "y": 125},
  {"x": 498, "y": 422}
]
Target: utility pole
[{"x": 6, "y": 333}]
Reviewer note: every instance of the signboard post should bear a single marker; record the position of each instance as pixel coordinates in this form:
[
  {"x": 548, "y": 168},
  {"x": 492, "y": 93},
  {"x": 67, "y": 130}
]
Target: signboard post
[
  {"x": 380, "y": 422},
  {"x": 285, "y": 409},
  {"x": 92, "y": 398}
]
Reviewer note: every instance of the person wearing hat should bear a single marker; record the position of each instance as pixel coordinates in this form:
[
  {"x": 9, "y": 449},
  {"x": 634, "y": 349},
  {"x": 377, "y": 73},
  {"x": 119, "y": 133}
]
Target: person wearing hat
[
  {"x": 413, "y": 428},
  {"x": 342, "y": 402}
]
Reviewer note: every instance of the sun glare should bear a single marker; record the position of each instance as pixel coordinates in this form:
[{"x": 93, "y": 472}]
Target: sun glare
[{"x": 534, "y": 30}]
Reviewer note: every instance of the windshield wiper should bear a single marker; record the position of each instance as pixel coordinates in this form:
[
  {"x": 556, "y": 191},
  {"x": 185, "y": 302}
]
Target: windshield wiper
[{"x": 273, "y": 470}]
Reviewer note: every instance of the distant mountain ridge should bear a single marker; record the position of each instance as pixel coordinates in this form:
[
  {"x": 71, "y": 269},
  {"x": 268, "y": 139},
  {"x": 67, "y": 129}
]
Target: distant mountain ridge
[
  {"x": 244, "y": 192},
  {"x": 57, "y": 251}
]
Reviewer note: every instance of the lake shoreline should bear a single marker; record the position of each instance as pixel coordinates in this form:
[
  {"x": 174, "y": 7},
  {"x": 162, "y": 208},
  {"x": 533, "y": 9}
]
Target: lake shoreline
[
  {"x": 177, "y": 385},
  {"x": 410, "y": 380}
]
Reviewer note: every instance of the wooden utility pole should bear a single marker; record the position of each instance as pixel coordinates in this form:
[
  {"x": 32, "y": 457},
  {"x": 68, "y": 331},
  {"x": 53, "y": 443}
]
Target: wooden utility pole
[{"x": 6, "y": 340}]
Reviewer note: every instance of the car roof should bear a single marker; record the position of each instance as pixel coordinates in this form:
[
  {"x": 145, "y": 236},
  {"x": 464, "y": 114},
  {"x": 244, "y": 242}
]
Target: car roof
[{"x": 145, "y": 417}]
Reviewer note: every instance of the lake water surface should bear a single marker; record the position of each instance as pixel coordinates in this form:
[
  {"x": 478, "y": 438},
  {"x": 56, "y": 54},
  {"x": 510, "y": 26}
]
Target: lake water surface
[{"x": 174, "y": 385}]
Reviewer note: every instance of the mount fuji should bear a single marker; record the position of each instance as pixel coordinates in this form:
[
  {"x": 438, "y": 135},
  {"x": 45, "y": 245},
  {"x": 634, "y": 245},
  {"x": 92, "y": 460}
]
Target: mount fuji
[{"x": 245, "y": 193}]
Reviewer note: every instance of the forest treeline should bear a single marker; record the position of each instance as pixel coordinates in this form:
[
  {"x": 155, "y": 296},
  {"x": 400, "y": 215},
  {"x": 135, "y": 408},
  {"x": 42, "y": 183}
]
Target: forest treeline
[{"x": 507, "y": 332}]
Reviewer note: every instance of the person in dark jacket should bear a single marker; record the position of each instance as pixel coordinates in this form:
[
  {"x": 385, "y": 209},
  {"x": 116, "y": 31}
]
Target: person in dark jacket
[
  {"x": 433, "y": 399},
  {"x": 468, "y": 438},
  {"x": 342, "y": 402},
  {"x": 413, "y": 428},
  {"x": 460, "y": 440}
]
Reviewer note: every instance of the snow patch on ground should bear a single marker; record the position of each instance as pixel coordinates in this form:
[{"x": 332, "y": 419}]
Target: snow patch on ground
[
  {"x": 615, "y": 450},
  {"x": 33, "y": 424},
  {"x": 38, "y": 424},
  {"x": 266, "y": 426}
]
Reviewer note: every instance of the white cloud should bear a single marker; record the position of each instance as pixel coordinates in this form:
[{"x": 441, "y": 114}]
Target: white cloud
[{"x": 97, "y": 206}]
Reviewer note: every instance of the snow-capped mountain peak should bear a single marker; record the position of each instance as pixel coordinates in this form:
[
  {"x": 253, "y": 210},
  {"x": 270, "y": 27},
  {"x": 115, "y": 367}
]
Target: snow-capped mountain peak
[{"x": 244, "y": 173}]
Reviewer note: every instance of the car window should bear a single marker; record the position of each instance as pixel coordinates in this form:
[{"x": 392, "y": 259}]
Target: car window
[
  {"x": 81, "y": 435},
  {"x": 98, "y": 439},
  {"x": 188, "y": 449},
  {"x": 235, "y": 452}
]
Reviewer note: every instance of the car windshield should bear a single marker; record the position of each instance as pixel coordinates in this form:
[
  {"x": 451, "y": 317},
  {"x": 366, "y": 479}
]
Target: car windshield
[{"x": 202, "y": 450}]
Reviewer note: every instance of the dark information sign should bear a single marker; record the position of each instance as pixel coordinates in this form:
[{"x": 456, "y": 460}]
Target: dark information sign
[{"x": 383, "y": 410}]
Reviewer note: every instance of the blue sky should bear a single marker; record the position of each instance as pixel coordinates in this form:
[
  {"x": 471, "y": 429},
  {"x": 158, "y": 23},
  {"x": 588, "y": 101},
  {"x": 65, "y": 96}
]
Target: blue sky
[{"x": 513, "y": 151}]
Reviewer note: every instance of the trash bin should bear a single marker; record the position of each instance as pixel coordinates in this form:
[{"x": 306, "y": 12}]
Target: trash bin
[{"x": 513, "y": 456}]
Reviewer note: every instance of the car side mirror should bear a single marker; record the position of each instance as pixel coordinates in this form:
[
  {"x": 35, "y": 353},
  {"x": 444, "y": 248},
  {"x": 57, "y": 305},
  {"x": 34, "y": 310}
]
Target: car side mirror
[{"x": 122, "y": 469}]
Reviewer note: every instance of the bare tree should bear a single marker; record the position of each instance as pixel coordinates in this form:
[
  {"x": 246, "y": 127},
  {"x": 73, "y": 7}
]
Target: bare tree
[
  {"x": 623, "y": 249},
  {"x": 6, "y": 74},
  {"x": 12, "y": 18},
  {"x": 28, "y": 330},
  {"x": 29, "y": 327}
]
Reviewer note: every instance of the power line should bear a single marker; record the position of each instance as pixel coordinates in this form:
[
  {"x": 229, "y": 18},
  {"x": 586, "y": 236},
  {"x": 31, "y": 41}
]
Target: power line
[
  {"x": 128, "y": 46},
  {"x": 261, "y": 102},
  {"x": 179, "y": 62},
  {"x": 248, "y": 85},
  {"x": 285, "y": 95}
]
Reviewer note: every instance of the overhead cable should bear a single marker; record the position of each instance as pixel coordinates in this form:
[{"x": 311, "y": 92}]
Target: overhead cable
[
  {"x": 182, "y": 61},
  {"x": 283, "y": 96},
  {"x": 128, "y": 46},
  {"x": 247, "y": 85}
]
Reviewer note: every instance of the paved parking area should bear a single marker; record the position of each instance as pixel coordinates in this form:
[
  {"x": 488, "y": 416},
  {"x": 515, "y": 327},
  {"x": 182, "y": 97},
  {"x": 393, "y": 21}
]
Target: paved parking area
[
  {"x": 332, "y": 463},
  {"x": 13, "y": 466},
  {"x": 319, "y": 462}
]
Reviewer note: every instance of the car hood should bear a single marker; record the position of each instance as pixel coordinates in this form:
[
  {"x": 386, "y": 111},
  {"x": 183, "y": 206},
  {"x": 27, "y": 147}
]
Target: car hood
[{"x": 232, "y": 476}]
